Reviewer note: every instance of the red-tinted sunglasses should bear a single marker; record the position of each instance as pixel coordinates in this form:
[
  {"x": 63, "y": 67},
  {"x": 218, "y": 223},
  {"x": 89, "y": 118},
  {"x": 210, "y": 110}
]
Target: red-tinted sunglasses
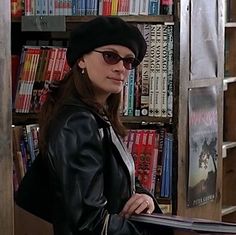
[{"x": 112, "y": 58}]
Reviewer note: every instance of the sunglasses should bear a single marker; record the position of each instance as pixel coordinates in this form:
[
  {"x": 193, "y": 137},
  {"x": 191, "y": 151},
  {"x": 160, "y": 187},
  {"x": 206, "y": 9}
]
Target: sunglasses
[{"x": 112, "y": 58}]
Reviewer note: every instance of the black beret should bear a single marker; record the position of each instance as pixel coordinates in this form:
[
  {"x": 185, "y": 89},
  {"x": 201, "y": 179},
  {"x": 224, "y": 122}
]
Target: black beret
[{"x": 101, "y": 31}]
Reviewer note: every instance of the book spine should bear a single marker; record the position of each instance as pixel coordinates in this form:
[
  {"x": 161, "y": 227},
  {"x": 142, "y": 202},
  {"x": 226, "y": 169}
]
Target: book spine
[
  {"x": 145, "y": 72},
  {"x": 51, "y": 7},
  {"x": 57, "y": 7},
  {"x": 134, "y": 7},
  {"x": 131, "y": 140},
  {"x": 138, "y": 83},
  {"x": 74, "y": 7},
  {"x": 152, "y": 69},
  {"x": 35, "y": 60},
  {"x": 120, "y": 7},
  {"x": 136, "y": 149},
  {"x": 100, "y": 7},
  {"x": 16, "y": 8},
  {"x": 154, "y": 7},
  {"x": 131, "y": 81},
  {"x": 15, "y": 64},
  {"x": 44, "y": 7},
  {"x": 149, "y": 161},
  {"x": 114, "y": 7},
  {"x": 95, "y": 8},
  {"x": 26, "y": 78},
  {"x": 158, "y": 84},
  {"x": 162, "y": 134},
  {"x": 167, "y": 7},
  {"x": 170, "y": 73},
  {"x": 141, "y": 166},
  {"x": 137, "y": 91},
  {"x": 125, "y": 98},
  {"x": 56, "y": 69},
  {"x": 143, "y": 8},
  {"x": 27, "y": 8},
  {"x": 164, "y": 71},
  {"x": 164, "y": 175}
]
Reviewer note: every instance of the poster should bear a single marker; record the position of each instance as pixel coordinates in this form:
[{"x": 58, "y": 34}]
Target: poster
[{"x": 203, "y": 131}]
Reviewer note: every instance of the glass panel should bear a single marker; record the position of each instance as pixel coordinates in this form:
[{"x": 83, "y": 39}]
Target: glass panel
[
  {"x": 204, "y": 37},
  {"x": 231, "y": 10},
  {"x": 230, "y": 52}
]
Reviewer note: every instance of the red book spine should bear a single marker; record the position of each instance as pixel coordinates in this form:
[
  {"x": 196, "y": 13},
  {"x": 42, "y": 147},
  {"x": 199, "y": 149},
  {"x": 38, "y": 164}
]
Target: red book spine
[
  {"x": 149, "y": 161},
  {"x": 136, "y": 151}
]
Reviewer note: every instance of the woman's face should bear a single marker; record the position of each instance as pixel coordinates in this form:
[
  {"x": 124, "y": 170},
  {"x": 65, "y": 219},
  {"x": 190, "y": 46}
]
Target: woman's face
[{"x": 107, "y": 78}]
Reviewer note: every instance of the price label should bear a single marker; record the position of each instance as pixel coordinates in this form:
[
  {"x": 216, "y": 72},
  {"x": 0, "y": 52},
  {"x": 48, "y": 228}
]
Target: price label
[{"x": 43, "y": 23}]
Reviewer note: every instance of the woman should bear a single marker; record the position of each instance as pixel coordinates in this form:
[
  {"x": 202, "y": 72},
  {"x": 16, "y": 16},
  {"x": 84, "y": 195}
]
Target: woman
[{"x": 91, "y": 172}]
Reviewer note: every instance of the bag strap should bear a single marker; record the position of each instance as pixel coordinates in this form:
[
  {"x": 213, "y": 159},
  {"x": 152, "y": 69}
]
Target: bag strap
[{"x": 105, "y": 225}]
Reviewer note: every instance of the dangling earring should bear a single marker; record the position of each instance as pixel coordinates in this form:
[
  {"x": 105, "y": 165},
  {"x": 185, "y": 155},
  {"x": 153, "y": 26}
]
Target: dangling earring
[{"x": 82, "y": 72}]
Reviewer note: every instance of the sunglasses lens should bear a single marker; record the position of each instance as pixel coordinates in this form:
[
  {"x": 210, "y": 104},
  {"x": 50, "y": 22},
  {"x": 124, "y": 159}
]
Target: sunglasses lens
[
  {"x": 129, "y": 63},
  {"x": 111, "y": 57}
]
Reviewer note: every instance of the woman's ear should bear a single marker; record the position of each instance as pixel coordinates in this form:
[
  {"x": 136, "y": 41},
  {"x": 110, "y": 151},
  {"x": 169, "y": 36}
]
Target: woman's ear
[{"x": 81, "y": 63}]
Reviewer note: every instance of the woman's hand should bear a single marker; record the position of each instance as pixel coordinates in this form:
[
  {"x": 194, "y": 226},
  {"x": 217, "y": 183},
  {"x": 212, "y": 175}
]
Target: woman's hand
[{"x": 137, "y": 204}]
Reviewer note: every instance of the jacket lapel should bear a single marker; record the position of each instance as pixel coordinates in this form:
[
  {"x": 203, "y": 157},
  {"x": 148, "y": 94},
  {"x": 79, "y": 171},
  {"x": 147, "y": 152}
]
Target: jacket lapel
[{"x": 126, "y": 157}]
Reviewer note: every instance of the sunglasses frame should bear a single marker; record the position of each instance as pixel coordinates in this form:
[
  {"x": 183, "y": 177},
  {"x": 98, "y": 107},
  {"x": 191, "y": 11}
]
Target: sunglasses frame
[{"x": 126, "y": 63}]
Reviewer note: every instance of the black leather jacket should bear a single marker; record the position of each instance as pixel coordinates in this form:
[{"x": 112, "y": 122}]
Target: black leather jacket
[{"x": 91, "y": 173}]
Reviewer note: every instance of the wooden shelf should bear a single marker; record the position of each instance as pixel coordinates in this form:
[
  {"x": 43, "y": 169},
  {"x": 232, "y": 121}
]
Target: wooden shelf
[
  {"x": 230, "y": 25},
  {"x": 228, "y": 80},
  {"x": 146, "y": 120},
  {"x": 26, "y": 118},
  {"x": 228, "y": 210},
  {"x": 136, "y": 19},
  {"x": 225, "y": 146}
]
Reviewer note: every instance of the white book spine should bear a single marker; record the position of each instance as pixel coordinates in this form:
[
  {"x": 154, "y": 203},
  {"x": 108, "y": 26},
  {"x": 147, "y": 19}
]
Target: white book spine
[
  {"x": 145, "y": 72},
  {"x": 170, "y": 72},
  {"x": 143, "y": 8},
  {"x": 134, "y": 7},
  {"x": 164, "y": 71},
  {"x": 152, "y": 69},
  {"x": 158, "y": 88}
]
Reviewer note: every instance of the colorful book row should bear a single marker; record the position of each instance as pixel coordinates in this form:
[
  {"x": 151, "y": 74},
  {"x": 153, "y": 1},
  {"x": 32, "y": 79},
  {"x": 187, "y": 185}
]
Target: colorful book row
[
  {"x": 91, "y": 7},
  {"x": 152, "y": 154}
]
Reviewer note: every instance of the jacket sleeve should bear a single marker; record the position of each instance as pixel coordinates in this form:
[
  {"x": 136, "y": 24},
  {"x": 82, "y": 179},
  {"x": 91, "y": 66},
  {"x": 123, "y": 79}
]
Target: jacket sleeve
[{"x": 77, "y": 157}]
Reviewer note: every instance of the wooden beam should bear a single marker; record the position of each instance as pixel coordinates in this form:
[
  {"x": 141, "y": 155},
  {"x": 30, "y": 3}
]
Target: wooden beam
[{"x": 6, "y": 192}]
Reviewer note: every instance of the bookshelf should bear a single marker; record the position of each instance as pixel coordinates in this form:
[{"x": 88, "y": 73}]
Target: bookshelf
[
  {"x": 229, "y": 137},
  {"x": 187, "y": 76}
]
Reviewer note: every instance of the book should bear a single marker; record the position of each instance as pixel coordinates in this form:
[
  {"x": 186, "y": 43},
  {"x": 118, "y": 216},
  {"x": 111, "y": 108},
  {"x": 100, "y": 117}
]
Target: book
[
  {"x": 170, "y": 71},
  {"x": 131, "y": 84},
  {"x": 150, "y": 161},
  {"x": 193, "y": 224},
  {"x": 152, "y": 67},
  {"x": 154, "y": 7},
  {"x": 16, "y": 8},
  {"x": 15, "y": 62},
  {"x": 137, "y": 90},
  {"x": 158, "y": 71},
  {"x": 143, "y": 8},
  {"x": 145, "y": 72},
  {"x": 162, "y": 136},
  {"x": 164, "y": 64},
  {"x": 167, "y": 7}
]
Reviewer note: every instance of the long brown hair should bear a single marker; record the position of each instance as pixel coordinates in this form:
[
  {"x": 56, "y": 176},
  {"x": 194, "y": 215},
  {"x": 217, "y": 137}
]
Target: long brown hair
[{"x": 76, "y": 83}]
